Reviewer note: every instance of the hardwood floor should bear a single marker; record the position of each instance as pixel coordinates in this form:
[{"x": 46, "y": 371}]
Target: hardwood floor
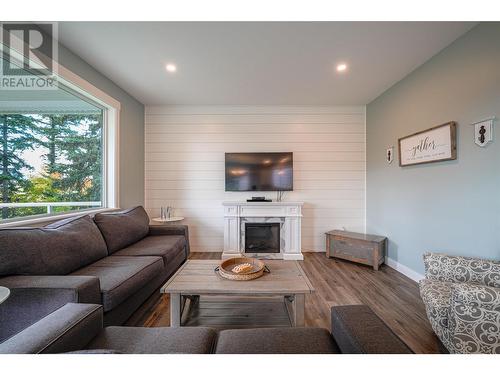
[{"x": 394, "y": 297}]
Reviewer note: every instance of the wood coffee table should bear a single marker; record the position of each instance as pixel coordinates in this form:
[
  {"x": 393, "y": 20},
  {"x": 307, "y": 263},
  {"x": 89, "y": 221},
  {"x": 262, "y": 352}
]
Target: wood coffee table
[{"x": 198, "y": 277}]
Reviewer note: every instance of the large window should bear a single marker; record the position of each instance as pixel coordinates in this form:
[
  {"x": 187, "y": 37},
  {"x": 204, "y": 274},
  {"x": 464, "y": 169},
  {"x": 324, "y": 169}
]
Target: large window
[{"x": 52, "y": 153}]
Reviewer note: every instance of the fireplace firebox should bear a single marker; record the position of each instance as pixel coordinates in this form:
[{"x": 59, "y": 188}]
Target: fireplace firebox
[{"x": 262, "y": 237}]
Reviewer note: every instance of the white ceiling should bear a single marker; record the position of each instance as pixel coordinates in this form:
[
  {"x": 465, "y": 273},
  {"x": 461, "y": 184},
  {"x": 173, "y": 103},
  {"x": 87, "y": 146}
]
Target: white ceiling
[{"x": 257, "y": 63}]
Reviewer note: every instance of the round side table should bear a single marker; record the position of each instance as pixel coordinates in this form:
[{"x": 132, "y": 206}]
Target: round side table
[{"x": 4, "y": 293}]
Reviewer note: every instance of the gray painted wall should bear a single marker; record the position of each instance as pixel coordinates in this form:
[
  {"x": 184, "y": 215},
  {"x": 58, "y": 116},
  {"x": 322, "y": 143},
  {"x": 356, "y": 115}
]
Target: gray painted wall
[
  {"x": 131, "y": 129},
  {"x": 453, "y": 206}
]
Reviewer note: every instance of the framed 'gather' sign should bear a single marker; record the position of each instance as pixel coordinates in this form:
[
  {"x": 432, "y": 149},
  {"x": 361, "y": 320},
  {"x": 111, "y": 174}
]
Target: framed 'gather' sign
[{"x": 435, "y": 144}]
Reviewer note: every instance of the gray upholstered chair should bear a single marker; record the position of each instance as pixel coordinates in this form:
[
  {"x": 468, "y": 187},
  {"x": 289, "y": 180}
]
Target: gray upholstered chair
[{"x": 462, "y": 299}]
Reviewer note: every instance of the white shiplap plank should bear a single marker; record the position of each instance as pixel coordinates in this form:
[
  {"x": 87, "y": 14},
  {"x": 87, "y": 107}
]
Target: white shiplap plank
[
  {"x": 254, "y": 109},
  {"x": 167, "y": 138},
  {"x": 218, "y": 167},
  {"x": 219, "y": 194},
  {"x": 239, "y": 128},
  {"x": 315, "y": 215},
  {"x": 221, "y": 147},
  {"x": 219, "y": 156},
  {"x": 153, "y": 183},
  {"x": 213, "y": 204},
  {"x": 185, "y": 149},
  {"x": 180, "y": 119},
  {"x": 207, "y": 175}
]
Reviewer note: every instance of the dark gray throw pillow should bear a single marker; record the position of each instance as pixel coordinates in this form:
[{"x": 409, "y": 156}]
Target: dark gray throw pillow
[
  {"x": 123, "y": 228},
  {"x": 56, "y": 249}
]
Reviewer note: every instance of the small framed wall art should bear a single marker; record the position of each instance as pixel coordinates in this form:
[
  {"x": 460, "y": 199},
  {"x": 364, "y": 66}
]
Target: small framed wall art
[
  {"x": 483, "y": 132},
  {"x": 428, "y": 146},
  {"x": 389, "y": 154}
]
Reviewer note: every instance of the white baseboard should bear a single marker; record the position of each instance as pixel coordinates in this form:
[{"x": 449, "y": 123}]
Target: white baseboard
[{"x": 408, "y": 272}]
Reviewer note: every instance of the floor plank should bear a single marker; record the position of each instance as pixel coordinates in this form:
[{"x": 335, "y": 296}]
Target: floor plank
[{"x": 394, "y": 297}]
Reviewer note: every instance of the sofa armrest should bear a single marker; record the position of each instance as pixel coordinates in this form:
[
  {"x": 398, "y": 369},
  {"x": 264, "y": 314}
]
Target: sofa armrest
[
  {"x": 34, "y": 297},
  {"x": 474, "y": 319},
  {"x": 83, "y": 289},
  {"x": 171, "y": 230},
  {"x": 358, "y": 330},
  {"x": 458, "y": 269},
  {"x": 69, "y": 328}
]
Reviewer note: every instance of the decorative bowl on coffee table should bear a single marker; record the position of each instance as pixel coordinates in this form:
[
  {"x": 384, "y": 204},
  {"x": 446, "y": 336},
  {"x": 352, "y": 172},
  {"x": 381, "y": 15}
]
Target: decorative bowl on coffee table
[{"x": 225, "y": 269}]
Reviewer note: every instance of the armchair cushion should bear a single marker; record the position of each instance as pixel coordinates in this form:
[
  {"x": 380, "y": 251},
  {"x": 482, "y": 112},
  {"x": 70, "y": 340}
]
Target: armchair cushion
[
  {"x": 56, "y": 249},
  {"x": 458, "y": 269},
  {"x": 123, "y": 228},
  {"x": 475, "y": 319}
]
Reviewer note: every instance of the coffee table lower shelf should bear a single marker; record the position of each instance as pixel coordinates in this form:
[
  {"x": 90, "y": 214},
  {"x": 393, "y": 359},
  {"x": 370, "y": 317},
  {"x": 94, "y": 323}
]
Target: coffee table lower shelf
[{"x": 223, "y": 312}]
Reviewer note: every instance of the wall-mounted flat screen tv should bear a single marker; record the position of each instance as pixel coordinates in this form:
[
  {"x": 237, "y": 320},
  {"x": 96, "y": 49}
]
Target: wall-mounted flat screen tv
[{"x": 259, "y": 171}]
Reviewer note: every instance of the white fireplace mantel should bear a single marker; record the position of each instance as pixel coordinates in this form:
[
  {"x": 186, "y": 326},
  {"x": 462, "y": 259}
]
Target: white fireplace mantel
[{"x": 289, "y": 214}]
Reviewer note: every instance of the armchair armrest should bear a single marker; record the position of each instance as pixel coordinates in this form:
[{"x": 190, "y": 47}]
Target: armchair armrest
[
  {"x": 474, "y": 319},
  {"x": 458, "y": 269},
  {"x": 171, "y": 230},
  {"x": 67, "y": 329},
  {"x": 34, "y": 297}
]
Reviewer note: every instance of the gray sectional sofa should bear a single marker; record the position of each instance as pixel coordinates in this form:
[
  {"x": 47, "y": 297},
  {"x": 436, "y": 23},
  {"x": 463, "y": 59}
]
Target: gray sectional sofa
[
  {"x": 77, "y": 328},
  {"x": 116, "y": 260},
  {"x": 74, "y": 281}
]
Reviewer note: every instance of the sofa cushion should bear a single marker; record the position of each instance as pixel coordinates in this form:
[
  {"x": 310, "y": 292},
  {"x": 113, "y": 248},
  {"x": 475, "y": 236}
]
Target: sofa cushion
[
  {"x": 276, "y": 341},
  {"x": 123, "y": 228},
  {"x": 168, "y": 247},
  {"x": 120, "y": 277},
  {"x": 56, "y": 249},
  {"x": 436, "y": 296},
  {"x": 139, "y": 340}
]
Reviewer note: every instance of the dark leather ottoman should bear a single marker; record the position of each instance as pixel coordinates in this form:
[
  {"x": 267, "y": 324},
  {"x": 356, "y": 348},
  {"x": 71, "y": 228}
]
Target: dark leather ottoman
[{"x": 358, "y": 330}]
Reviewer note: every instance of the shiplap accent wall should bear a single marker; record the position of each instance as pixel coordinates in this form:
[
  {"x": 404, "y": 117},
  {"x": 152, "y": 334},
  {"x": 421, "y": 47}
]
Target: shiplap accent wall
[{"x": 184, "y": 159}]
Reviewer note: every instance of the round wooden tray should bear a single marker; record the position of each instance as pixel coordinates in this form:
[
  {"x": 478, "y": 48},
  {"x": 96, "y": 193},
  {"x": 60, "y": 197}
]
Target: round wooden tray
[{"x": 225, "y": 269}]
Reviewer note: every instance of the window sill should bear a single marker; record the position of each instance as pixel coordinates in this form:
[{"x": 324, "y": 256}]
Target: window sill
[{"x": 51, "y": 218}]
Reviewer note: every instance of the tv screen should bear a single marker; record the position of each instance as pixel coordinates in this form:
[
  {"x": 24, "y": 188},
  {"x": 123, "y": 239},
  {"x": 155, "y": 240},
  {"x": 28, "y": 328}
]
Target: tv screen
[{"x": 260, "y": 171}]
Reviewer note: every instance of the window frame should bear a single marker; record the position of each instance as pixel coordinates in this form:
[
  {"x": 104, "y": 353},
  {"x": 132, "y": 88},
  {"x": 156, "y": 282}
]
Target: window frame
[{"x": 110, "y": 140}]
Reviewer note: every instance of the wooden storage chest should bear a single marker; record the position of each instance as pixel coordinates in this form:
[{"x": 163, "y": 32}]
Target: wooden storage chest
[{"x": 357, "y": 247}]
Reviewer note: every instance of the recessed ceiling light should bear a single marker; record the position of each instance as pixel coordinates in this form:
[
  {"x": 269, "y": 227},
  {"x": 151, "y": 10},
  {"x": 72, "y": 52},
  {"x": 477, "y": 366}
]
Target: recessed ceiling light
[
  {"x": 171, "y": 68},
  {"x": 342, "y": 67}
]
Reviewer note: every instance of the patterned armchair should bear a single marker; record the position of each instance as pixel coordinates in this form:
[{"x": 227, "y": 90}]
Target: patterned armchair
[{"x": 462, "y": 299}]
